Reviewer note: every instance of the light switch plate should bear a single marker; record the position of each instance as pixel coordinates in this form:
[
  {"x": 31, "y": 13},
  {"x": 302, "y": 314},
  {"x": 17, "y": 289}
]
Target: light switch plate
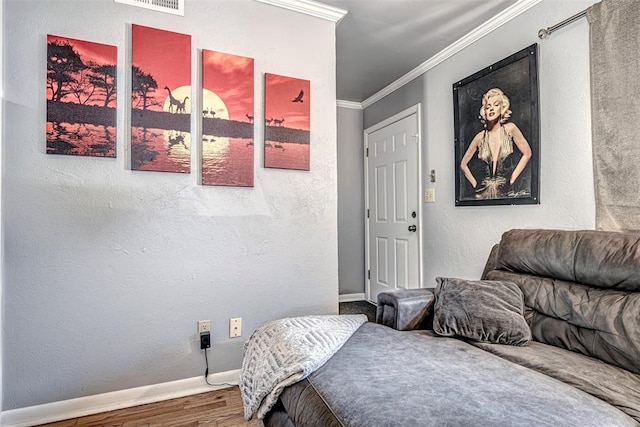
[{"x": 429, "y": 195}]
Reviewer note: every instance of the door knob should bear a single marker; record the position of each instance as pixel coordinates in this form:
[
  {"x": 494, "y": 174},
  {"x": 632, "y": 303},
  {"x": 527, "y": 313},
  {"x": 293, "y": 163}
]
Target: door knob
[{"x": 412, "y": 228}]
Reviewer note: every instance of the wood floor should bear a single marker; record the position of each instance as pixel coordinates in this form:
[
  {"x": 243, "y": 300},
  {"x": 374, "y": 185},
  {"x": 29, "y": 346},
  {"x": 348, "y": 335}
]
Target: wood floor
[{"x": 215, "y": 408}]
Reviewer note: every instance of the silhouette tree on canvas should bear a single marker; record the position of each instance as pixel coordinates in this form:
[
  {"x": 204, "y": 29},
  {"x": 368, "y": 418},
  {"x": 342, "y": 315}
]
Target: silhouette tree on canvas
[
  {"x": 81, "y": 97},
  {"x": 143, "y": 87},
  {"x": 63, "y": 65},
  {"x": 103, "y": 77}
]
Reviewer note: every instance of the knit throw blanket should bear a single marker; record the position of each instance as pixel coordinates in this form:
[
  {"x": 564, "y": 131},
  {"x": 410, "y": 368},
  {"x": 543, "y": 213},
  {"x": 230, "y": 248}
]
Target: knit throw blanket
[{"x": 285, "y": 351}]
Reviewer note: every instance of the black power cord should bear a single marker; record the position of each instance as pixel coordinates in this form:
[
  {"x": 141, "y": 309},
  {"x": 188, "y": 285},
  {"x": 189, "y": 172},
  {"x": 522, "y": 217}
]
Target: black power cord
[{"x": 206, "y": 372}]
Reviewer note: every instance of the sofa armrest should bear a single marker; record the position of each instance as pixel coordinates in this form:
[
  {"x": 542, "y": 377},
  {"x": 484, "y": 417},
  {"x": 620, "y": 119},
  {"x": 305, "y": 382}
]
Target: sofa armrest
[{"x": 406, "y": 309}]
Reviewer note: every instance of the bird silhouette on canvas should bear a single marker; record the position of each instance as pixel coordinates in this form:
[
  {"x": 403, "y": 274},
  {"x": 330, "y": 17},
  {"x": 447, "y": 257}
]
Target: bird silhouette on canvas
[{"x": 299, "y": 97}]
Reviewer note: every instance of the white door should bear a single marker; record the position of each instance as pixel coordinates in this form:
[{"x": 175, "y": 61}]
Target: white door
[{"x": 392, "y": 165}]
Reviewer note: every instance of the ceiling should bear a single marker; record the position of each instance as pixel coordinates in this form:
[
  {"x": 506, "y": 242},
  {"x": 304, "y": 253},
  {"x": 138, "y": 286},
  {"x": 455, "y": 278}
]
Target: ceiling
[{"x": 379, "y": 41}]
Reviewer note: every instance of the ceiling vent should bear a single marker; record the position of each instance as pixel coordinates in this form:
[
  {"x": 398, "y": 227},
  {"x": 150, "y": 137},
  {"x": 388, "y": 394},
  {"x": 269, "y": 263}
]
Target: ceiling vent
[{"x": 175, "y": 7}]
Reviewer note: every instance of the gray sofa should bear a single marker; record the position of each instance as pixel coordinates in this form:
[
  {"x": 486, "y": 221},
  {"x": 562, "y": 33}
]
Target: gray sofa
[{"x": 576, "y": 360}]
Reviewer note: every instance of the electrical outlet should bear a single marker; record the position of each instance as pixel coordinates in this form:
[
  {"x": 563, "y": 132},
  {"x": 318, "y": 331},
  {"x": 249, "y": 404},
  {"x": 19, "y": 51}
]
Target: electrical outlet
[
  {"x": 235, "y": 327},
  {"x": 204, "y": 326}
]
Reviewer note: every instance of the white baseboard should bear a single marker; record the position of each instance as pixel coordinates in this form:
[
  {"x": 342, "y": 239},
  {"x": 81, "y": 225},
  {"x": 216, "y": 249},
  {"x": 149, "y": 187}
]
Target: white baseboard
[
  {"x": 351, "y": 297},
  {"x": 88, "y": 405}
]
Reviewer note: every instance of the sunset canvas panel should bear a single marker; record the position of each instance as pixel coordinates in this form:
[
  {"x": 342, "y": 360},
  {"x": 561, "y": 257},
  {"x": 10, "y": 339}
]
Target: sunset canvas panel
[
  {"x": 227, "y": 119},
  {"x": 81, "y": 97},
  {"x": 160, "y": 100},
  {"x": 287, "y": 127}
]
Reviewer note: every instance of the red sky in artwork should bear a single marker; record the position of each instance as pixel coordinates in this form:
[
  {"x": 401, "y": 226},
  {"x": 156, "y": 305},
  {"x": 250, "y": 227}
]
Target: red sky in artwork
[
  {"x": 163, "y": 54},
  {"x": 102, "y": 54},
  {"x": 231, "y": 78},
  {"x": 279, "y": 92}
]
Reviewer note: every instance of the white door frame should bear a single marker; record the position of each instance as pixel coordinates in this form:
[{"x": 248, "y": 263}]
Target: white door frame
[{"x": 414, "y": 110}]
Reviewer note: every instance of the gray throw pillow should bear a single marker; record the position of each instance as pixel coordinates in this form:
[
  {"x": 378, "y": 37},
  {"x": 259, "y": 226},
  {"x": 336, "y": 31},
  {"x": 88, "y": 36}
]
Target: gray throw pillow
[{"x": 483, "y": 310}]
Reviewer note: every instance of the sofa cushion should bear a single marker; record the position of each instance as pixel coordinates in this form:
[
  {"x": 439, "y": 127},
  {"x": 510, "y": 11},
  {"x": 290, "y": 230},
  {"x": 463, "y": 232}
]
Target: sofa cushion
[
  {"x": 595, "y": 322},
  {"x": 384, "y": 377},
  {"x": 490, "y": 311},
  {"x": 601, "y": 259},
  {"x": 614, "y": 385},
  {"x": 581, "y": 289}
]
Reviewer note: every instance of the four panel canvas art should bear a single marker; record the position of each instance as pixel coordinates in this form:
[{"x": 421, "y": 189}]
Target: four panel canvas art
[{"x": 81, "y": 108}]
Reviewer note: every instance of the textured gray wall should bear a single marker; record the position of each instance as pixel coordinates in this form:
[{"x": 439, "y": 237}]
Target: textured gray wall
[
  {"x": 404, "y": 97},
  {"x": 107, "y": 270},
  {"x": 350, "y": 201}
]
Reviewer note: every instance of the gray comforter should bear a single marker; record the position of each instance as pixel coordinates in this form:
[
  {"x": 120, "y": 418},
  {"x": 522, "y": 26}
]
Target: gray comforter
[{"x": 382, "y": 377}]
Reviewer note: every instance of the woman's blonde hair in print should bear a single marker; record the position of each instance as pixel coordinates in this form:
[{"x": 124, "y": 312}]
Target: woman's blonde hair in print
[{"x": 506, "y": 112}]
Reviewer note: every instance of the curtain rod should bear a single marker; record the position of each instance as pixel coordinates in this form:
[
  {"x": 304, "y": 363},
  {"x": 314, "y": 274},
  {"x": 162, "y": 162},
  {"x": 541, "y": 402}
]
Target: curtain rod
[{"x": 545, "y": 32}]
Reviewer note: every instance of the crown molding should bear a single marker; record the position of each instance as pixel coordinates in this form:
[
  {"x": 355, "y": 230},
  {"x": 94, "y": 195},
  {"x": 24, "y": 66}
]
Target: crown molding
[
  {"x": 349, "y": 104},
  {"x": 309, "y": 7},
  {"x": 502, "y": 18}
]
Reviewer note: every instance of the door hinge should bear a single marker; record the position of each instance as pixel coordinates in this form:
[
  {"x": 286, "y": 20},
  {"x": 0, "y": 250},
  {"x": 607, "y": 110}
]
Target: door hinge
[
  {"x": 366, "y": 153},
  {"x": 369, "y": 274},
  {"x": 367, "y": 213}
]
